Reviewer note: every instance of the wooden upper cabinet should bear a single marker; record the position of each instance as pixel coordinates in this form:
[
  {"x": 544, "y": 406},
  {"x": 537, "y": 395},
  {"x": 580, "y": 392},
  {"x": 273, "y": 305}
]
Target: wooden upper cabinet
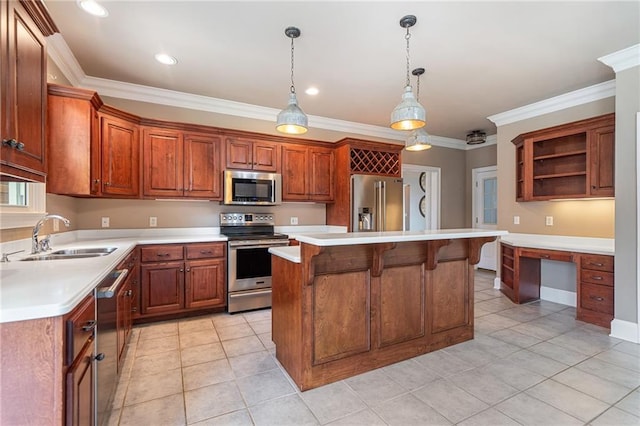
[
  {"x": 120, "y": 157},
  {"x": 23, "y": 91},
  {"x": 308, "y": 173},
  {"x": 250, "y": 154},
  {"x": 73, "y": 154},
  {"x": 574, "y": 160},
  {"x": 162, "y": 162},
  {"x": 177, "y": 164},
  {"x": 202, "y": 159}
]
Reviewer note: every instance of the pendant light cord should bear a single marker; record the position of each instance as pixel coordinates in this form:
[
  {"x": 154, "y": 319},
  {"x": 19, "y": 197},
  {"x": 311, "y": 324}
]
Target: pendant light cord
[
  {"x": 418, "y": 89},
  {"x": 407, "y": 37},
  {"x": 293, "y": 87}
]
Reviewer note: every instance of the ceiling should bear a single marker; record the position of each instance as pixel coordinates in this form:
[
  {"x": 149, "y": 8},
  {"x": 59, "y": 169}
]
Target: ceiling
[{"x": 481, "y": 58}]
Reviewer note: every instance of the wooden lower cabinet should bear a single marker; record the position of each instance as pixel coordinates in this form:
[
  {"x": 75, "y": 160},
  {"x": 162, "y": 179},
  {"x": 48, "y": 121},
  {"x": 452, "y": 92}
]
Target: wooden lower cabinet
[
  {"x": 345, "y": 310},
  {"x": 180, "y": 278},
  {"x": 80, "y": 398},
  {"x": 595, "y": 290}
]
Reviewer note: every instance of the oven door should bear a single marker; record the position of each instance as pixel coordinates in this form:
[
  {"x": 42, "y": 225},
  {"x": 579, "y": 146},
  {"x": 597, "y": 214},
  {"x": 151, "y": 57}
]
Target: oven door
[{"x": 249, "y": 266}]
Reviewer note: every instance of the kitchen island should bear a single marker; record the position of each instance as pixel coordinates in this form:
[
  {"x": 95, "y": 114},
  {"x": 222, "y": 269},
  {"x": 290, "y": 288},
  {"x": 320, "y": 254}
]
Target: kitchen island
[{"x": 347, "y": 303}]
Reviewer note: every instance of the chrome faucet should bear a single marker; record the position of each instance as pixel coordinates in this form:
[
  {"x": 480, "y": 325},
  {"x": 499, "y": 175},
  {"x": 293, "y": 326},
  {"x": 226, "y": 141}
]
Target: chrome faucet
[{"x": 35, "y": 246}]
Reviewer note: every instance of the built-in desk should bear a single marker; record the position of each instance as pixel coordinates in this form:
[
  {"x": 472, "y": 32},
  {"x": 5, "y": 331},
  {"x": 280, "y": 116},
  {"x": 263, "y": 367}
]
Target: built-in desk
[{"x": 521, "y": 256}]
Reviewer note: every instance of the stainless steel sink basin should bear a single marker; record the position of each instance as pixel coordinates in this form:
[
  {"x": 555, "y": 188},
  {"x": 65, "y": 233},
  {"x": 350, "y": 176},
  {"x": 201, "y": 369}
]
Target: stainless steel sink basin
[
  {"x": 80, "y": 253},
  {"x": 101, "y": 251}
]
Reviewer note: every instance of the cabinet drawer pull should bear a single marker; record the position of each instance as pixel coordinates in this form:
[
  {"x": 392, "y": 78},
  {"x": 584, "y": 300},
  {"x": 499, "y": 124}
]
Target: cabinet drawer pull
[
  {"x": 206, "y": 252},
  {"x": 596, "y": 264},
  {"x": 596, "y": 277},
  {"x": 163, "y": 254},
  {"x": 99, "y": 357},
  {"x": 89, "y": 326},
  {"x": 597, "y": 298}
]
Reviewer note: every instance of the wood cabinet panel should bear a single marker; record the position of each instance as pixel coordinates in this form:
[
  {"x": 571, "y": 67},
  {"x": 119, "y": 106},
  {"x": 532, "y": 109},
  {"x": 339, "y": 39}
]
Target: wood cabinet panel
[
  {"x": 23, "y": 94},
  {"x": 80, "y": 326},
  {"x": 295, "y": 171},
  {"x": 162, "y": 287},
  {"x": 265, "y": 156},
  {"x": 202, "y": 159},
  {"x": 402, "y": 304},
  {"x": 120, "y": 157},
  {"x": 161, "y": 253},
  {"x": 321, "y": 174},
  {"x": 205, "y": 283},
  {"x": 344, "y": 296},
  {"x": 162, "y": 162},
  {"x": 602, "y": 166},
  {"x": 596, "y": 262},
  {"x": 205, "y": 250},
  {"x": 448, "y": 296},
  {"x": 80, "y": 401}
]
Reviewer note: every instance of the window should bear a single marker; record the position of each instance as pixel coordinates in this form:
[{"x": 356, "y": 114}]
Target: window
[{"x": 21, "y": 204}]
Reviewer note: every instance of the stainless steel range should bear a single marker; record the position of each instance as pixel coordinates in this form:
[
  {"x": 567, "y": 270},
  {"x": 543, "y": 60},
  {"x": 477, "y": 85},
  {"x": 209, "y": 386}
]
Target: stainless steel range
[{"x": 249, "y": 262}]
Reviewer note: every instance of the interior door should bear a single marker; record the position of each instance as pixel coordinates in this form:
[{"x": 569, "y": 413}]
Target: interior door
[{"x": 485, "y": 211}]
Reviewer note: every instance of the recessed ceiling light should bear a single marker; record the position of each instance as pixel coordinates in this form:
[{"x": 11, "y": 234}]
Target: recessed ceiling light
[
  {"x": 163, "y": 58},
  {"x": 92, "y": 7},
  {"x": 312, "y": 91}
]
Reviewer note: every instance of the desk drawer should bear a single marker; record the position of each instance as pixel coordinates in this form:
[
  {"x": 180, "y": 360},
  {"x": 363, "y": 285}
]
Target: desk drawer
[
  {"x": 598, "y": 298},
  {"x": 596, "y": 277},
  {"x": 596, "y": 262},
  {"x": 560, "y": 256}
]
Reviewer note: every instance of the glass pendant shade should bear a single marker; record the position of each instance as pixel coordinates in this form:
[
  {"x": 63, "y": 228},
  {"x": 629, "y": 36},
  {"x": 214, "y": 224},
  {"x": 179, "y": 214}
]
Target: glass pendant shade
[
  {"x": 292, "y": 120},
  {"x": 418, "y": 140},
  {"x": 409, "y": 114}
]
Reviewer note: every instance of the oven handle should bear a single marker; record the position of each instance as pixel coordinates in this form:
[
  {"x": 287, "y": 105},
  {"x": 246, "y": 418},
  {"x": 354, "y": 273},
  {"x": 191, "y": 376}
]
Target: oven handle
[{"x": 257, "y": 246}]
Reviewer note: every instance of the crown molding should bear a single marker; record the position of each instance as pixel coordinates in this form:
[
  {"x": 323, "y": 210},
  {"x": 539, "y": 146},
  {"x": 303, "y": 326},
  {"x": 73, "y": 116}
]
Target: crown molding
[
  {"x": 557, "y": 103},
  {"x": 622, "y": 59},
  {"x": 63, "y": 57}
]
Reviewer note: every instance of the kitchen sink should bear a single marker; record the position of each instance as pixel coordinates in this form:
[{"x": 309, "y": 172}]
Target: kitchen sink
[
  {"x": 100, "y": 251},
  {"x": 80, "y": 253}
]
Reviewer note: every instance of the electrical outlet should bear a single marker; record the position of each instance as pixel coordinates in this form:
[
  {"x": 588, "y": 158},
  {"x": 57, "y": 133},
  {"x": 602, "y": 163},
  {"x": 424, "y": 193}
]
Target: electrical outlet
[
  {"x": 153, "y": 221},
  {"x": 516, "y": 220},
  {"x": 105, "y": 222},
  {"x": 548, "y": 220},
  {"x": 294, "y": 220}
]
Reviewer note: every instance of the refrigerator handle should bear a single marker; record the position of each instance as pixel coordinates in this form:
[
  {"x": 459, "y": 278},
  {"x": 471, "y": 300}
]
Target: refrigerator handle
[{"x": 380, "y": 206}]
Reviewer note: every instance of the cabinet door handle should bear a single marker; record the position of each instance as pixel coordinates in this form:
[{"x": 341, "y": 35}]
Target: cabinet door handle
[
  {"x": 20, "y": 146},
  {"x": 597, "y": 298},
  {"x": 134, "y": 309},
  {"x": 596, "y": 277},
  {"x": 11, "y": 143},
  {"x": 107, "y": 183},
  {"x": 188, "y": 269},
  {"x": 128, "y": 293},
  {"x": 89, "y": 326},
  {"x": 99, "y": 357},
  {"x": 595, "y": 264},
  {"x": 181, "y": 270}
]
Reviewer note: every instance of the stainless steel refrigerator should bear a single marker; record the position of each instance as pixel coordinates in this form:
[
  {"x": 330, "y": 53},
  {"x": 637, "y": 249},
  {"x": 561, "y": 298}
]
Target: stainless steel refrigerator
[{"x": 377, "y": 203}]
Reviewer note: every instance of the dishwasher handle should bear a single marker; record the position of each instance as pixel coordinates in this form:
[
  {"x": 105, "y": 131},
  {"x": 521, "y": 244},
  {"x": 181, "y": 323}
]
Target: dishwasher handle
[{"x": 107, "y": 292}]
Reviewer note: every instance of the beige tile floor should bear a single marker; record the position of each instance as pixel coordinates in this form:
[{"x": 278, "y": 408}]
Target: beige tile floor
[{"x": 528, "y": 364}]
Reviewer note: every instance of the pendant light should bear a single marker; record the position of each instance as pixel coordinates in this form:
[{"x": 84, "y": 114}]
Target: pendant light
[
  {"x": 418, "y": 139},
  {"x": 292, "y": 120},
  {"x": 409, "y": 114}
]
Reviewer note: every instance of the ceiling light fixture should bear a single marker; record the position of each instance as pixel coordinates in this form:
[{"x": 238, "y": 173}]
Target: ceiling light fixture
[
  {"x": 476, "y": 137},
  {"x": 165, "y": 59},
  {"x": 418, "y": 139},
  {"x": 409, "y": 114},
  {"x": 92, "y": 7},
  {"x": 292, "y": 120}
]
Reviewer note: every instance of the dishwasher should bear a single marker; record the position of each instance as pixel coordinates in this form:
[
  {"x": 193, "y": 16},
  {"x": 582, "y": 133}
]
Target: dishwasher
[{"x": 106, "y": 365}]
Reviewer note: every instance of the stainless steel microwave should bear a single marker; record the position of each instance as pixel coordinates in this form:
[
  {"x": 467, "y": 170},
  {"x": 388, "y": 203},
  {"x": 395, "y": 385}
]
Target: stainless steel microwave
[{"x": 252, "y": 188}]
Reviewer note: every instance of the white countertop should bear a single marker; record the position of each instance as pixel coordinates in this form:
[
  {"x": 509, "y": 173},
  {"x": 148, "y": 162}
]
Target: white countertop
[
  {"x": 350, "y": 238},
  {"x": 563, "y": 243},
  {"x": 40, "y": 289},
  {"x": 290, "y": 253}
]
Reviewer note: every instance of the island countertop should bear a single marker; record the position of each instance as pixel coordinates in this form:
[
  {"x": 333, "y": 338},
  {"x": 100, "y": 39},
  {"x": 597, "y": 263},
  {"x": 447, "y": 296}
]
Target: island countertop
[{"x": 351, "y": 238}]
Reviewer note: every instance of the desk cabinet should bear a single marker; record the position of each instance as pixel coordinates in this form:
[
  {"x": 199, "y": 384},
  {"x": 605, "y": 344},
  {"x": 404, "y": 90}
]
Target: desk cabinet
[{"x": 595, "y": 290}]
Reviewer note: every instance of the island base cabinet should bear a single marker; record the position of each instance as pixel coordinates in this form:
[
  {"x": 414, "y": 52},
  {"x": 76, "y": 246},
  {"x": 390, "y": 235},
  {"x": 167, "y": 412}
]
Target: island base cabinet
[
  {"x": 80, "y": 403},
  {"x": 346, "y": 310}
]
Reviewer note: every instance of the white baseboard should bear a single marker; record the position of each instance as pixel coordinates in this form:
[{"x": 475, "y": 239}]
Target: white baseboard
[
  {"x": 496, "y": 283},
  {"x": 563, "y": 297},
  {"x": 625, "y": 330}
]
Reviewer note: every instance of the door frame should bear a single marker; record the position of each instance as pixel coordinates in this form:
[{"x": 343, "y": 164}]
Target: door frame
[
  {"x": 474, "y": 201},
  {"x": 434, "y": 173}
]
